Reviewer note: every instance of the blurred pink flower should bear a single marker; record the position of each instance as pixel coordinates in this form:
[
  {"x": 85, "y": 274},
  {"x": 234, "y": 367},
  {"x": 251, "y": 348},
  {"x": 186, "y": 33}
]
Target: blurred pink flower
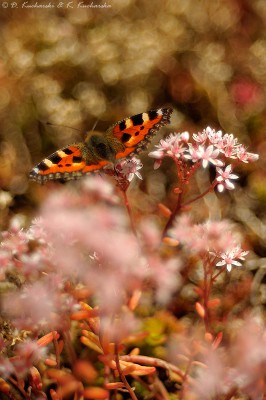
[
  {"x": 204, "y": 238},
  {"x": 120, "y": 327},
  {"x": 25, "y": 250},
  {"x": 26, "y": 354},
  {"x": 236, "y": 366},
  {"x": 32, "y": 307},
  {"x": 6, "y": 367},
  {"x": 98, "y": 189},
  {"x": 166, "y": 277}
]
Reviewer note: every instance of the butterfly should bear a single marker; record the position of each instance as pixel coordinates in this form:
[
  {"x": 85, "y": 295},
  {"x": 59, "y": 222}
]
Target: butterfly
[{"x": 125, "y": 138}]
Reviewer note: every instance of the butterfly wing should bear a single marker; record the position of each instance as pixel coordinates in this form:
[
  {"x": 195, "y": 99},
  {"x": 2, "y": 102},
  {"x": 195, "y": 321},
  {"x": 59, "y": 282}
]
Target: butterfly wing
[
  {"x": 136, "y": 132},
  {"x": 65, "y": 164}
]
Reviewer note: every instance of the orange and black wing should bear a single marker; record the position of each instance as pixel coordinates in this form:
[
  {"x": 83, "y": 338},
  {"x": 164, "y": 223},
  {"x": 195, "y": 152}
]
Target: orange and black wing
[
  {"x": 65, "y": 164},
  {"x": 136, "y": 132}
]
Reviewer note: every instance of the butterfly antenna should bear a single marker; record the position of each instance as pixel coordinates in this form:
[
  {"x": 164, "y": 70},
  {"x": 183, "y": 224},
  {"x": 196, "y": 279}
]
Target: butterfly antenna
[
  {"x": 63, "y": 126},
  {"x": 94, "y": 125}
]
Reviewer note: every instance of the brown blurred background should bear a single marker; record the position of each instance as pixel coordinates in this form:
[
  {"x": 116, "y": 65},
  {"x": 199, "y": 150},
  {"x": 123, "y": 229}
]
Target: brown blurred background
[{"x": 72, "y": 66}]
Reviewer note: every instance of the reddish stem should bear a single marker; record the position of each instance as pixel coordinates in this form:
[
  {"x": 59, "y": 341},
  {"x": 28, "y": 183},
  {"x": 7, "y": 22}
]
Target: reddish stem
[
  {"x": 19, "y": 388},
  {"x": 129, "y": 211},
  {"x": 206, "y": 292},
  {"x": 69, "y": 347},
  {"x": 179, "y": 206},
  {"x": 57, "y": 354},
  {"x": 173, "y": 215},
  {"x": 122, "y": 376},
  {"x": 218, "y": 273},
  {"x": 210, "y": 189},
  {"x": 182, "y": 392}
]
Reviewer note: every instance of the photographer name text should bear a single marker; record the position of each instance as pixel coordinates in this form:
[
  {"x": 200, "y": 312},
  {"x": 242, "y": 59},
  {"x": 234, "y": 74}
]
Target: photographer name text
[{"x": 60, "y": 4}]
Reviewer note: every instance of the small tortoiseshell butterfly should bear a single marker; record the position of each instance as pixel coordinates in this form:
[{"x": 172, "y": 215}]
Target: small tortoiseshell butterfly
[{"x": 126, "y": 137}]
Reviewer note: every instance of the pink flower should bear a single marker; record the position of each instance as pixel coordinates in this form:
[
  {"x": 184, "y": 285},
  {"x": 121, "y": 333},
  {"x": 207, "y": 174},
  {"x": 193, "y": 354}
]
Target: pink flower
[
  {"x": 224, "y": 178},
  {"x": 215, "y": 137},
  {"x": 230, "y": 258},
  {"x": 185, "y": 136},
  {"x": 245, "y": 156},
  {"x": 201, "y": 137},
  {"x": 172, "y": 147},
  {"x": 209, "y": 146},
  {"x": 228, "y": 145},
  {"x": 207, "y": 155},
  {"x": 129, "y": 167}
]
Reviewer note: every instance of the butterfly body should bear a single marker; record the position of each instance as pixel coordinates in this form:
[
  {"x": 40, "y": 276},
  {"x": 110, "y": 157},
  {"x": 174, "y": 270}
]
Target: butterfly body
[{"x": 126, "y": 138}]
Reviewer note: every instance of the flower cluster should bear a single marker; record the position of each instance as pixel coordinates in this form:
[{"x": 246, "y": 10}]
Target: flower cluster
[
  {"x": 206, "y": 147},
  {"x": 83, "y": 236},
  {"x": 218, "y": 371},
  {"x": 124, "y": 171},
  {"x": 24, "y": 250},
  {"x": 216, "y": 239}
]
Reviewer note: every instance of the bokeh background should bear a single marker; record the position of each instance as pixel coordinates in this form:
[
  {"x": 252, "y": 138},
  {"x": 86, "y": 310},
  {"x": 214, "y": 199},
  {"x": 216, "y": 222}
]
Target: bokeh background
[{"x": 73, "y": 65}]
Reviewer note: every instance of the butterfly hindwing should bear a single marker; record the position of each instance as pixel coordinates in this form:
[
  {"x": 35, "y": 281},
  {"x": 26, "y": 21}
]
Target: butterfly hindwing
[
  {"x": 136, "y": 132},
  {"x": 65, "y": 164}
]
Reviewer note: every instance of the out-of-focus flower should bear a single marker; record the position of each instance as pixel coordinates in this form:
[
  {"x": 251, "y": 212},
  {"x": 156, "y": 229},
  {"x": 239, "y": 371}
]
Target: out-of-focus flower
[
  {"x": 224, "y": 178},
  {"x": 33, "y": 307},
  {"x": 25, "y": 250},
  {"x": 166, "y": 277},
  {"x": 6, "y": 367},
  {"x": 150, "y": 235},
  {"x": 205, "y": 237},
  {"x": 26, "y": 354},
  {"x": 98, "y": 189},
  {"x": 230, "y": 258}
]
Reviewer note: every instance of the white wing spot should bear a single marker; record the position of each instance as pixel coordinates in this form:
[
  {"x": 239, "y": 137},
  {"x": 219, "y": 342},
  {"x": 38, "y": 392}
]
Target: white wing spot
[
  {"x": 61, "y": 153},
  {"x": 145, "y": 117},
  {"x": 48, "y": 162}
]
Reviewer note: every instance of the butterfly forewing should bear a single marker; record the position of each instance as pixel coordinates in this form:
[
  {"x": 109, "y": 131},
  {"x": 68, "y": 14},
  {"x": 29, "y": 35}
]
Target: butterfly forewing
[{"x": 135, "y": 132}]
